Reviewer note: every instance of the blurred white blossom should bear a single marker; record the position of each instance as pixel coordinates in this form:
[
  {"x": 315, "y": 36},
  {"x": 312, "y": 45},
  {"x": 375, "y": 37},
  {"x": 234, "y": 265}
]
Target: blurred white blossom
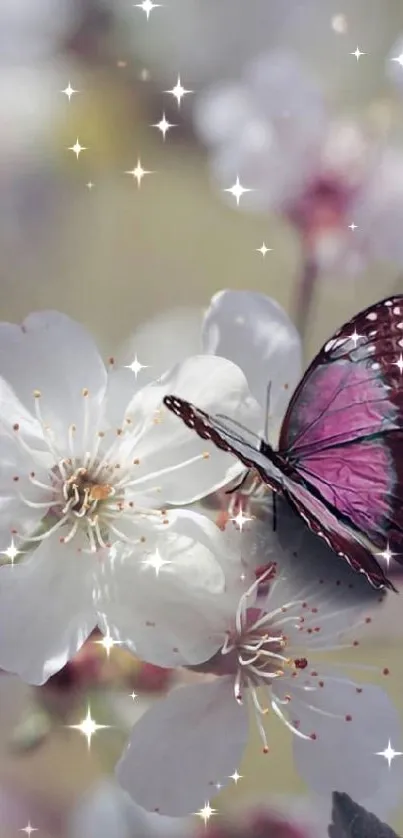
[{"x": 340, "y": 187}]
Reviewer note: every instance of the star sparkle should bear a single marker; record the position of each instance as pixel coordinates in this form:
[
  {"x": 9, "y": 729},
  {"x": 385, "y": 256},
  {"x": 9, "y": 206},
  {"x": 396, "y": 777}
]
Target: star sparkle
[
  {"x": 90, "y": 185},
  {"x": 263, "y": 249},
  {"x": 399, "y": 363},
  {"x": 386, "y": 554},
  {"x": 237, "y": 190},
  {"x": 178, "y": 92},
  {"x": 11, "y": 552},
  {"x": 138, "y": 172},
  {"x": 206, "y": 813},
  {"x": 136, "y": 367},
  {"x": 29, "y": 829},
  {"x": 240, "y": 519},
  {"x": 398, "y": 59},
  {"x": 389, "y": 754},
  {"x": 355, "y": 337},
  {"x": 69, "y": 91},
  {"x": 77, "y": 148},
  {"x": 156, "y": 562},
  {"x": 353, "y": 226},
  {"x": 236, "y": 777},
  {"x": 108, "y": 643},
  {"x": 357, "y": 53},
  {"x": 133, "y": 696},
  {"x": 147, "y": 6},
  {"x": 88, "y": 727},
  {"x": 163, "y": 125}
]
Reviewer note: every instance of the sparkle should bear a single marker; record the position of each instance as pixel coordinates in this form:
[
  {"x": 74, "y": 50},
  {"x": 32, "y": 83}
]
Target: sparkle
[
  {"x": 163, "y": 125},
  {"x": 386, "y": 554},
  {"x": 206, "y": 812},
  {"x": 69, "y": 91},
  {"x": 399, "y": 363},
  {"x": 144, "y": 74},
  {"x": 88, "y": 727},
  {"x": 236, "y": 777},
  {"x": 133, "y": 696},
  {"x": 237, "y": 190},
  {"x": 355, "y": 337},
  {"x": 90, "y": 185},
  {"x": 156, "y": 561},
  {"x": 138, "y": 172},
  {"x": 29, "y": 828},
  {"x": 11, "y": 553},
  {"x": 136, "y": 367},
  {"x": 353, "y": 226},
  {"x": 240, "y": 519},
  {"x": 263, "y": 249},
  {"x": 389, "y": 754},
  {"x": 77, "y": 148},
  {"x": 107, "y": 642},
  {"x": 398, "y": 59},
  {"x": 358, "y": 53},
  {"x": 147, "y": 6},
  {"x": 178, "y": 91}
]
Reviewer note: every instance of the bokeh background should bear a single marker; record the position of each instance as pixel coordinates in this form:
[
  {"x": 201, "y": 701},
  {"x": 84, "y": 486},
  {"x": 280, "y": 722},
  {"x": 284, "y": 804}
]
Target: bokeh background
[{"x": 113, "y": 255}]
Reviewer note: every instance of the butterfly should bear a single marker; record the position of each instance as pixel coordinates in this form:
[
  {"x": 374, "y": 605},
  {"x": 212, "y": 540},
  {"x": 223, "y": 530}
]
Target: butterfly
[{"x": 339, "y": 461}]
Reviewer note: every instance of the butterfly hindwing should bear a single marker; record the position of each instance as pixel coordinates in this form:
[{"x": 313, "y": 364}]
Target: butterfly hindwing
[{"x": 343, "y": 431}]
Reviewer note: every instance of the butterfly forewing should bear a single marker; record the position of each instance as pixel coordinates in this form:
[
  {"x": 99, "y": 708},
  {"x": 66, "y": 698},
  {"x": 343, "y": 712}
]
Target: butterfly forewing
[{"x": 343, "y": 431}]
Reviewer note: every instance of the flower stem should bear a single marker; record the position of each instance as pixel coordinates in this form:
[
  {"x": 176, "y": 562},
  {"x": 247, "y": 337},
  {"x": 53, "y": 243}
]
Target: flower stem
[{"x": 305, "y": 294}]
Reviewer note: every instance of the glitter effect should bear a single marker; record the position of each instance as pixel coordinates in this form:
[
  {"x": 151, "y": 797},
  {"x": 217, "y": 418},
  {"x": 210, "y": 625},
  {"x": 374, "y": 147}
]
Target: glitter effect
[
  {"x": 163, "y": 125},
  {"x": 206, "y": 813},
  {"x": 263, "y": 249},
  {"x": 77, "y": 148},
  {"x": 69, "y": 91},
  {"x": 237, "y": 190},
  {"x": 156, "y": 562},
  {"x": 88, "y": 727},
  {"x": 178, "y": 92},
  {"x": 136, "y": 366},
  {"x": 147, "y": 6},
  {"x": 240, "y": 519},
  {"x": 29, "y": 829},
  {"x": 389, "y": 754},
  {"x": 108, "y": 643},
  {"x": 11, "y": 553},
  {"x": 357, "y": 53},
  {"x": 138, "y": 172}
]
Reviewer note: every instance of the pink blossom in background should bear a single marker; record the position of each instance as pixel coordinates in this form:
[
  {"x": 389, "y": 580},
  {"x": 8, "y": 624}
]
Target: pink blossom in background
[{"x": 273, "y": 130}]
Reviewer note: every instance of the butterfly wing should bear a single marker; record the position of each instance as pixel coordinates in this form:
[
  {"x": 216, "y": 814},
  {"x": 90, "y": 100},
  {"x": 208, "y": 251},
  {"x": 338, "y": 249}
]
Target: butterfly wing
[
  {"x": 343, "y": 431},
  {"x": 319, "y": 518}
]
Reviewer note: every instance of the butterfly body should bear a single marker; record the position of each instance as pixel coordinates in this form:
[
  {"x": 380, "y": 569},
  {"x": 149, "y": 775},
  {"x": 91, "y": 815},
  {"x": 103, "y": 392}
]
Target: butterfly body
[{"x": 339, "y": 461}]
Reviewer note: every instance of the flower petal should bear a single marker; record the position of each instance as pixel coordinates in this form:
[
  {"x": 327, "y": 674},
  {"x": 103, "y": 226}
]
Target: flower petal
[
  {"x": 254, "y": 332},
  {"x": 178, "y": 614},
  {"x": 344, "y": 754},
  {"x": 172, "y": 452},
  {"x": 16, "y": 515},
  {"x": 54, "y": 355},
  {"x": 46, "y": 610},
  {"x": 183, "y": 747}
]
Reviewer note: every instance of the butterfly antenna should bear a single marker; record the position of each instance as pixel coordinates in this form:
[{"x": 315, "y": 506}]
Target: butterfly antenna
[{"x": 267, "y": 410}]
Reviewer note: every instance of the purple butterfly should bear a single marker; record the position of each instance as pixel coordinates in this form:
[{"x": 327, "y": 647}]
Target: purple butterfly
[{"x": 340, "y": 458}]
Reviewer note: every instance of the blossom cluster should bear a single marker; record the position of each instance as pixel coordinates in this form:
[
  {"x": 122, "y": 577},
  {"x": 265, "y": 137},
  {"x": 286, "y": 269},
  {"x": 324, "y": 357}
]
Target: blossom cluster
[{"x": 103, "y": 525}]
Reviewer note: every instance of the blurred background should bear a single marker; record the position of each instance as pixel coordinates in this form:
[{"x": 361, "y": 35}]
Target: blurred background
[{"x": 84, "y": 92}]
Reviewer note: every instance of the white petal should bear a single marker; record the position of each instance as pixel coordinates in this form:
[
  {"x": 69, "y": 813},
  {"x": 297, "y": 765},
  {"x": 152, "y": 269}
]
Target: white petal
[
  {"x": 183, "y": 747},
  {"x": 254, "y": 332},
  {"x": 46, "y": 610},
  {"x": 56, "y": 356},
  {"x": 180, "y": 615},
  {"x": 163, "y": 341},
  {"x": 344, "y": 754},
  {"x": 16, "y": 516},
  {"x": 213, "y": 384}
]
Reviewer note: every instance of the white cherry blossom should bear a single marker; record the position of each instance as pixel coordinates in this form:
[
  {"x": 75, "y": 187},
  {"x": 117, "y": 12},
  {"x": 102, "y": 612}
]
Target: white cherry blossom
[
  {"x": 89, "y": 464},
  {"x": 271, "y": 657}
]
